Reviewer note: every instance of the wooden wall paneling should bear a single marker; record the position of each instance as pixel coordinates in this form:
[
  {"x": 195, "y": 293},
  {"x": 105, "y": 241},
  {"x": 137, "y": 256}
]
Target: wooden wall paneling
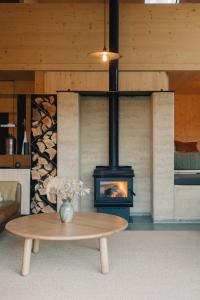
[
  {"x": 152, "y": 37},
  {"x": 143, "y": 81},
  {"x": 184, "y": 82},
  {"x": 6, "y": 87},
  {"x": 17, "y": 87},
  {"x": 17, "y": 75},
  {"x": 6, "y": 161},
  {"x": 39, "y": 82},
  {"x": 186, "y": 117},
  {"x": 75, "y": 81},
  {"x": 24, "y": 87},
  {"x": 6, "y": 103},
  {"x": 98, "y": 81},
  {"x": 29, "y": 1}
]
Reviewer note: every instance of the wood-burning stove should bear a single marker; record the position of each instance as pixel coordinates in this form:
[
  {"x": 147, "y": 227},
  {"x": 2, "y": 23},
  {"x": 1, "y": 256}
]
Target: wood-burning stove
[
  {"x": 113, "y": 187},
  {"x": 113, "y": 184},
  {"x": 113, "y": 190}
]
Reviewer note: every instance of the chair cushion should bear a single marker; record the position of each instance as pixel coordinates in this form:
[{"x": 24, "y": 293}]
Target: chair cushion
[
  {"x": 8, "y": 189},
  {"x": 8, "y": 209},
  {"x": 187, "y": 160},
  {"x": 186, "y": 146}
]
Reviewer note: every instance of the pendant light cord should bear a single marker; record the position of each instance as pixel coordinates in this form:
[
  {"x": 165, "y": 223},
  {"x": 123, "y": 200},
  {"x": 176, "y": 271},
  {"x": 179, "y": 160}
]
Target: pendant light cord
[{"x": 105, "y": 17}]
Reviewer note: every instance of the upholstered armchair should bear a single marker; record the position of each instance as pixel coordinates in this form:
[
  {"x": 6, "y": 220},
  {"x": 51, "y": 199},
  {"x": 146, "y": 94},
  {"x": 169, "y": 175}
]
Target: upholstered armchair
[{"x": 10, "y": 198}]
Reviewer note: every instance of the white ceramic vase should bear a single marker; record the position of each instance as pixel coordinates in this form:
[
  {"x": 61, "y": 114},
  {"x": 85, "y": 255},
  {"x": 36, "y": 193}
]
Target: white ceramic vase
[{"x": 66, "y": 211}]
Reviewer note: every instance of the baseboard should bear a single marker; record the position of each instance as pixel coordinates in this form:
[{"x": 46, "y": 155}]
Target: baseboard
[
  {"x": 140, "y": 214},
  {"x": 176, "y": 221}
]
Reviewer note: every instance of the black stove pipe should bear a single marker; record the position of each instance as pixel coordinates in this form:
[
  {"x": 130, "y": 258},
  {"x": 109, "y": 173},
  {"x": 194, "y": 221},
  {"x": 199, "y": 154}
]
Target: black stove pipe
[{"x": 113, "y": 84}]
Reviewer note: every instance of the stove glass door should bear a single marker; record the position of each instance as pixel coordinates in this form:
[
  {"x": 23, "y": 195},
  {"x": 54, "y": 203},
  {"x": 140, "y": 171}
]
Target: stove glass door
[{"x": 113, "y": 189}]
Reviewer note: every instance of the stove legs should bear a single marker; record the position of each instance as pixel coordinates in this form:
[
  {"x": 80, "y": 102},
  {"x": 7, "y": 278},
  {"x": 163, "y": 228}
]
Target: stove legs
[
  {"x": 26, "y": 257},
  {"x": 104, "y": 255}
]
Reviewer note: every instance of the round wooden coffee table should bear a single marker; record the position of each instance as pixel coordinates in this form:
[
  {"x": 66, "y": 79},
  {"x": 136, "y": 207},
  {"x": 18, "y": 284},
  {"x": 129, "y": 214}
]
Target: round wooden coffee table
[{"x": 85, "y": 225}]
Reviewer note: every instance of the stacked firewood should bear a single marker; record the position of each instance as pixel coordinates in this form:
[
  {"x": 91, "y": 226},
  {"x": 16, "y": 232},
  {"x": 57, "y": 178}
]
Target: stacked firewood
[{"x": 44, "y": 152}]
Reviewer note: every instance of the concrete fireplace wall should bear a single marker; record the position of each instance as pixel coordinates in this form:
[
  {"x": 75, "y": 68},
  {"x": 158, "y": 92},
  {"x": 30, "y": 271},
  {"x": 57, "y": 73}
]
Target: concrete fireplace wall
[
  {"x": 146, "y": 131},
  {"x": 163, "y": 155},
  {"x": 135, "y": 147},
  {"x": 134, "y": 144},
  {"x": 68, "y": 138},
  {"x": 146, "y": 143},
  {"x": 93, "y": 141}
]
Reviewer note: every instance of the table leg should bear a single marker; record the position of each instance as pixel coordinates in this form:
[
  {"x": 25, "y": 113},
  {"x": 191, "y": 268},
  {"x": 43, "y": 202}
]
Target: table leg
[
  {"x": 26, "y": 257},
  {"x": 104, "y": 255},
  {"x": 36, "y": 246}
]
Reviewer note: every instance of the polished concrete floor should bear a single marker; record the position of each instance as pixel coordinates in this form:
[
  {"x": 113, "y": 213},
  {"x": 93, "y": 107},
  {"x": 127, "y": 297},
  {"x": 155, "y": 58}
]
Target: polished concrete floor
[{"x": 146, "y": 223}]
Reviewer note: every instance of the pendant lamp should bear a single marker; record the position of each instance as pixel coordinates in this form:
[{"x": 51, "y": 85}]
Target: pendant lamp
[{"x": 105, "y": 55}]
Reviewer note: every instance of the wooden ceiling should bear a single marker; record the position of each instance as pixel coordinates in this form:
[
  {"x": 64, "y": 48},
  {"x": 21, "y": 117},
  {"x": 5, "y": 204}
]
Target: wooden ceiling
[{"x": 64, "y": 1}]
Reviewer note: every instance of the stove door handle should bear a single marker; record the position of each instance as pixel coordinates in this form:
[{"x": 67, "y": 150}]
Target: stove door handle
[{"x": 132, "y": 192}]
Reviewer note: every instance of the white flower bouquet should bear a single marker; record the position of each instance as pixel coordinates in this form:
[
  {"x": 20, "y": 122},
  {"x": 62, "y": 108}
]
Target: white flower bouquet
[{"x": 63, "y": 189}]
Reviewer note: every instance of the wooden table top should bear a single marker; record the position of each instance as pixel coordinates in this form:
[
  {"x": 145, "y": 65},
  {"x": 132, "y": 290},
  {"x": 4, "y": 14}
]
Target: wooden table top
[{"x": 85, "y": 225}]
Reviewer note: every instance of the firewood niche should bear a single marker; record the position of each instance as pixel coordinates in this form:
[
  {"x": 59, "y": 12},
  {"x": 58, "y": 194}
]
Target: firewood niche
[{"x": 43, "y": 151}]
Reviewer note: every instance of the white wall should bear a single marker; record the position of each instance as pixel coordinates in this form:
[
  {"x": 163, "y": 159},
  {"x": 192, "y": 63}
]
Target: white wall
[{"x": 134, "y": 144}]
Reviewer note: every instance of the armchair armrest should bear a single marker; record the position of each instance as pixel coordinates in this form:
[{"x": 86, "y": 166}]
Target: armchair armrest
[{"x": 18, "y": 194}]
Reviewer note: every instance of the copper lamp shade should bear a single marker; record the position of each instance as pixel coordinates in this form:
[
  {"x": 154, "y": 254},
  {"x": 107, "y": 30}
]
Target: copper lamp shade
[{"x": 105, "y": 55}]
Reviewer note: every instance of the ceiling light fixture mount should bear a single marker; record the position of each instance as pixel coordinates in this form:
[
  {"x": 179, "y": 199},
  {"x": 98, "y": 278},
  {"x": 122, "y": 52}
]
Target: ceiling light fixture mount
[{"x": 105, "y": 55}]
